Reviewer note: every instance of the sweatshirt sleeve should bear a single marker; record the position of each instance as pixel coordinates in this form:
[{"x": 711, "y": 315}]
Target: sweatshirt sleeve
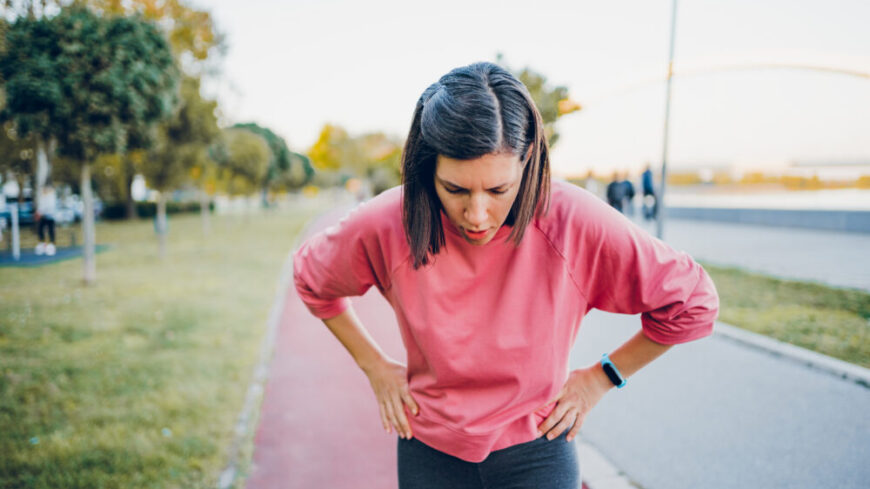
[
  {"x": 343, "y": 260},
  {"x": 628, "y": 271}
]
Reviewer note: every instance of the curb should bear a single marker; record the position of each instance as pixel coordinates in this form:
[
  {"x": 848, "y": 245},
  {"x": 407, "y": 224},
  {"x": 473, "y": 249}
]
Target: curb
[
  {"x": 246, "y": 420},
  {"x": 818, "y": 361},
  {"x": 597, "y": 472}
]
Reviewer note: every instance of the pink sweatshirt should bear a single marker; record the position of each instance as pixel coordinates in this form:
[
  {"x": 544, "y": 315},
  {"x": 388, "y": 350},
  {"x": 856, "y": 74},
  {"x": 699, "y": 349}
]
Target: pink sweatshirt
[{"x": 488, "y": 329}]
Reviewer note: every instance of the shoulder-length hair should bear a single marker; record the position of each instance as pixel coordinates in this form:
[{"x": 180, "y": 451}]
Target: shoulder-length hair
[{"x": 470, "y": 112}]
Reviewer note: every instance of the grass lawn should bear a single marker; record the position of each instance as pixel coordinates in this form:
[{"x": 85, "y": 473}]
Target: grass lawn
[
  {"x": 137, "y": 381},
  {"x": 828, "y": 320}
]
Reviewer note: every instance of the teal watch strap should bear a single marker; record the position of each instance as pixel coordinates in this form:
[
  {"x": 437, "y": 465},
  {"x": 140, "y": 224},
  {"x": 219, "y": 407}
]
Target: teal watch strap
[{"x": 612, "y": 372}]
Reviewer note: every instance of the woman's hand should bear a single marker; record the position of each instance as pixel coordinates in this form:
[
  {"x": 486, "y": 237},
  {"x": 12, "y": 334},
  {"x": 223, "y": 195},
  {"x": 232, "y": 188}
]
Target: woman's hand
[
  {"x": 389, "y": 380},
  {"x": 582, "y": 391}
]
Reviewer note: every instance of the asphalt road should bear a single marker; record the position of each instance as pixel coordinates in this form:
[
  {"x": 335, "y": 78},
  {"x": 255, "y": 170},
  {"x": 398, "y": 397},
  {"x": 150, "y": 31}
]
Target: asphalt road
[
  {"x": 832, "y": 258},
  {"x": 716, "y": 414}
]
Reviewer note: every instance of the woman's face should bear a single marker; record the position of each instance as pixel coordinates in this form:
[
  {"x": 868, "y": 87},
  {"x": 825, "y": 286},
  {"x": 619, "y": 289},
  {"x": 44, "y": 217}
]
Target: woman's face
[{"x": 478, "y": 194}]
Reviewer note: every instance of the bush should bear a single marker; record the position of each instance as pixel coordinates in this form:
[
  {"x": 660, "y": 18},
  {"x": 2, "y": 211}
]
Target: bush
[{"x": 118, "y": 210}]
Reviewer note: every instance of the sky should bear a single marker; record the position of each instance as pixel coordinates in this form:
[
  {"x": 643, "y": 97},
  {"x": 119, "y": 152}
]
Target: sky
[{"x": 295, "y": 65}]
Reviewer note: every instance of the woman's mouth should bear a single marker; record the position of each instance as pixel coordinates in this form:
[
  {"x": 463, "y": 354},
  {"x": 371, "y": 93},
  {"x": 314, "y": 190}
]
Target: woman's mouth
[{"x": 476, "y": 235}]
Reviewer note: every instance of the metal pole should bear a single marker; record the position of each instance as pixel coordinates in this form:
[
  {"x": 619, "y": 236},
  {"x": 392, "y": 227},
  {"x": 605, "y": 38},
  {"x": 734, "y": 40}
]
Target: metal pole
[{"x": 661, "y": 196}]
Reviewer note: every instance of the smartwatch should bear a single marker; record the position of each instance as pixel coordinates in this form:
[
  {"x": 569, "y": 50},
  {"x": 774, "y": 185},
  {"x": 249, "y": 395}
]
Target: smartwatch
[{"x": 612, "y": 372}]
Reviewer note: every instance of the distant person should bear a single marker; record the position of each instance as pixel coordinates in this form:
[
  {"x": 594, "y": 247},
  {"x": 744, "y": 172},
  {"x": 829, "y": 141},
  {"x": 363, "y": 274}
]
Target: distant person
[
  {"x": 490, "y": 266},
  {"x": 628, "y": 195},
  {"x": 46, "y": 210},
  {"x": 616, "y": 192},
  {"x": 650, "y": 202},
  {"x": 591, "y": 184}
]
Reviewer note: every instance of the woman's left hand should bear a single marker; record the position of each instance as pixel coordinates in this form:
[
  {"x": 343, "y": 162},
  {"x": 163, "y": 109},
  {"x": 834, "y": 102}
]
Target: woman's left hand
[{"x": 582, "y": 391}]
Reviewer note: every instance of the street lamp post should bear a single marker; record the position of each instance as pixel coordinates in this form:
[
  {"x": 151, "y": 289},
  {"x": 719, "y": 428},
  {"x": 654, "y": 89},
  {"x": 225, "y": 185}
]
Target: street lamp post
[{"x": 661, "y": 196}]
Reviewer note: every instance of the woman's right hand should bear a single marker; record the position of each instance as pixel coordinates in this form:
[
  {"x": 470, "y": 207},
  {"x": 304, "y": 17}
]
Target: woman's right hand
[{"x": 389, "y": 380}]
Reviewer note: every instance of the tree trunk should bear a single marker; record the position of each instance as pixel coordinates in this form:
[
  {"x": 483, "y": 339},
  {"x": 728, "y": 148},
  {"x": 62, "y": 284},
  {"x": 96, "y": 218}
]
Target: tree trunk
[
  {"x": 205, "y": 211},
  {"x": 161, "y": 224},
  {"x": 131, "y": 205},
  {"x": 88, "y": 228}
]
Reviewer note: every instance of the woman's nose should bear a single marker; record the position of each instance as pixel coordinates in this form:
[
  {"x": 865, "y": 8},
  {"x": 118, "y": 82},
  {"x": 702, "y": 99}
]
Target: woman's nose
[{"x": 475, "y": 212}]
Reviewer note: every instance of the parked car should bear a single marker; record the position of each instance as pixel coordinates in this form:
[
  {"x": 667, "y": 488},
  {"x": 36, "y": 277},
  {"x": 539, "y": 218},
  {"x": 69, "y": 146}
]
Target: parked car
[{"x": 25, "y": 211}]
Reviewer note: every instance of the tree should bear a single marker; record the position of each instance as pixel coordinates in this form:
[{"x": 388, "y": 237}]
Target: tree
[
  {"x": 279, "y": 157},
  {"x": 15, "y": 155},
  {"x": 244, "y": 160},
  {"x": 374, "y": 156},
  {"x": 191, "y": 33},
  {"x": 182, "y": 145},
  {"x": 94, "y": 82},
  {"x": 32, "y": 86},
  {"x": 195, "y": 42},
  {"x": 286, "y": 169}
]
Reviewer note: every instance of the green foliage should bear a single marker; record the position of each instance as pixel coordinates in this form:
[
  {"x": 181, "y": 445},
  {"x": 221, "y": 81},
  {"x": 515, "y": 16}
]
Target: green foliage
[
  {"x": 244, "y": 160},
  {"x": 191, "y": 32},
  {"x": 15, "y": 153},
  {"x": 375, "y": 156},
  {"x": 32, "y": 76},
  {"x": 281, "y": 160},
  {"x": 119, "y": 80},
  {"x": 183, "y": 140},
  {"x": 95, "y": 84}
]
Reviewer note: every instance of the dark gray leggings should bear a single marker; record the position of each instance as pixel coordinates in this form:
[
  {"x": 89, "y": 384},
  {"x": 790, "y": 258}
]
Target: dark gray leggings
[
  {"x": 538, "y": 464},
  {"x": 45, "y": 222}
]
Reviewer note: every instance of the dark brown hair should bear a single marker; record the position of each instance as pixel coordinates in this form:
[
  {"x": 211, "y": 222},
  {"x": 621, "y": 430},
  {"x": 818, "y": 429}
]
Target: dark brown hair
[{"x": 470, "y": 112}]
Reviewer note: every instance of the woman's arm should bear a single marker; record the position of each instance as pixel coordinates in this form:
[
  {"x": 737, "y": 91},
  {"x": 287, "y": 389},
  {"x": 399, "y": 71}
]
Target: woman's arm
[
  {"x": 388, "y": 377},
  {"x": 586, "y": 386}
]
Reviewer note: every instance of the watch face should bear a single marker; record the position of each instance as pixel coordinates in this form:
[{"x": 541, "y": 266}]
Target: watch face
[{"x": 611, "y": 374}]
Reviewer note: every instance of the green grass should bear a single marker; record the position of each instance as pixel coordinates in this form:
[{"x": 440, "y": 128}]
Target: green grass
[
  {"x": 138, "y": 380},
  {"x": 828, "y": 320}
]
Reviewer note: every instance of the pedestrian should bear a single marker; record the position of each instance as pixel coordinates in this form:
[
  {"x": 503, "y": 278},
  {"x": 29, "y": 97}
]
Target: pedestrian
[
  {"x": 490, "y": 266},
  {"x": 46, "y": 209},
  {"x": 616, "y": 192},
  {"x": 591, "y": 184},
  {"x": 650, "y": 202}
]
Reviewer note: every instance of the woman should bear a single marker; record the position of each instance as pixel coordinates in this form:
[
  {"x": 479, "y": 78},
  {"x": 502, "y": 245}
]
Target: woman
[{"x": 490, "y": 268}]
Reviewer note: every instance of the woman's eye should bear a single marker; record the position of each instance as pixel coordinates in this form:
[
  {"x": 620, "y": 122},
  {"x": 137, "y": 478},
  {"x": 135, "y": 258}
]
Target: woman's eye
[{"x": 496, "y": 192}]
